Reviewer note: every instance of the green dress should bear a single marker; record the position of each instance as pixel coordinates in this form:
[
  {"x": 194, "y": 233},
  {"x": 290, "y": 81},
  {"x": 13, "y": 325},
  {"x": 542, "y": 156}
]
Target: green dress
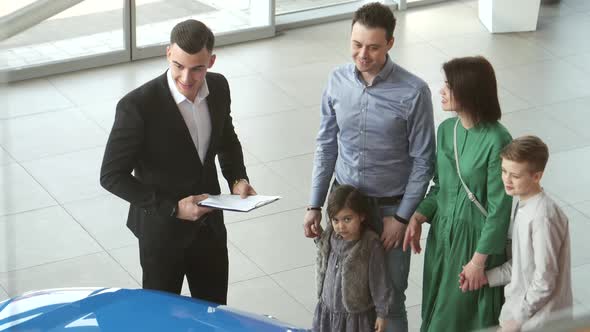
[{"x": 459, "y": 229}]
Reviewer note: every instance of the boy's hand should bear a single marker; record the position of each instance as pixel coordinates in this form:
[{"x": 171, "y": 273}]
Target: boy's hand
[
  {"x": 510, "y": 326},
  {"x": 473, "y": 278},
  {"x": 380, "y": 324}
]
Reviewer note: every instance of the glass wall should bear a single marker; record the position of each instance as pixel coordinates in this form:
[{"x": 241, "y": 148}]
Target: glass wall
[
  {"x": 155, "y": 18},
  {"x": 90, "y": 28},
  {"x": 291, "y": 6}
]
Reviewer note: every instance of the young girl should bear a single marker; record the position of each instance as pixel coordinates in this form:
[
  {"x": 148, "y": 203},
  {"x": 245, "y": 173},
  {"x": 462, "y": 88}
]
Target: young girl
[{"x": 353, "y": 289}]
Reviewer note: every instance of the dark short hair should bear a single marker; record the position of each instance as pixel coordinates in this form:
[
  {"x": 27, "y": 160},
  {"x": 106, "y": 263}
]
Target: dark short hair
[
  {"x": 346, "y": 196},
  {"x": 191, "y": 36},
  {"x": 527, "y": 149},
  {"x": 376, "y": 15},
  {"x": 473, "y": 86}
]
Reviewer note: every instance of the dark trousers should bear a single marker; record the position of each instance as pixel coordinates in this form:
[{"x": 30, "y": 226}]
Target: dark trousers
[{"x": 205, "y": 264}]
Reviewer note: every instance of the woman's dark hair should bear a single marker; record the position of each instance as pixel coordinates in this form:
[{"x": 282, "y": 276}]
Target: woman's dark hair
[
  {"x": 472, "y": 82},
  {"x": 376, "y": 15},
  {"x": 191, "y": 36},
  {"x": 345, "y": 196}
]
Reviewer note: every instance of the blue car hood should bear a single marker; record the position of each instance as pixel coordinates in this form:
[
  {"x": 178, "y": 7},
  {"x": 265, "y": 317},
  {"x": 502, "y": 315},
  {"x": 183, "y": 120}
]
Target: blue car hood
[{"x": 109, "y": 309}]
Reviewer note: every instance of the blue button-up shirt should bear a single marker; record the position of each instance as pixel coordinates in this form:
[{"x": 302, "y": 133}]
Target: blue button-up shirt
[{"x": 378, "y": 138}]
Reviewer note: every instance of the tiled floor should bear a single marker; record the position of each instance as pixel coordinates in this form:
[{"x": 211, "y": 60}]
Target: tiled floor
[{"x": 59, "y": 228}]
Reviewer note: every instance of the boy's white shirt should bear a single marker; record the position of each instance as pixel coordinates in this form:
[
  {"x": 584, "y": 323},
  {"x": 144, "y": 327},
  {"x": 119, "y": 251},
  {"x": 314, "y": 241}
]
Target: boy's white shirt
[{"x": 538, "y": 277}]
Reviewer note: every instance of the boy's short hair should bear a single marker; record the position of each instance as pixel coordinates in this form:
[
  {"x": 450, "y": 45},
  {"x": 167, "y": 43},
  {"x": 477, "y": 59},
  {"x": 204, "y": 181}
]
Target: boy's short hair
[
  {"x": 529, "y": 149},
  {"x": 192, "y": 36}
]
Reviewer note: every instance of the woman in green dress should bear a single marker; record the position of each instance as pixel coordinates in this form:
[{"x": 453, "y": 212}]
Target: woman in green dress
[{"x": 464, "y": 237}]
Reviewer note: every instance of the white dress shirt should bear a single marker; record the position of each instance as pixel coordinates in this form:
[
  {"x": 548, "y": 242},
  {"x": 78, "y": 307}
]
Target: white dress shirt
[
  {"x": 538, "y": 277},
  {"x": 195, "y": 114}
]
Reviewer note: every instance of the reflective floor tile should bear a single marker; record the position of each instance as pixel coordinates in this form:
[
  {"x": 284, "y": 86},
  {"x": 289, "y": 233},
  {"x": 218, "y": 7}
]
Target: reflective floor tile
[
  {"x": 40, "y": 237},
  {"x": 95, "y": 270}
]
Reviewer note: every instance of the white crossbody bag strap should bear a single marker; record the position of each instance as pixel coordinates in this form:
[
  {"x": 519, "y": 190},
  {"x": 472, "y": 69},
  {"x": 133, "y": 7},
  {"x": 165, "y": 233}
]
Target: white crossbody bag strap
[{"x": 470, "y": 194}]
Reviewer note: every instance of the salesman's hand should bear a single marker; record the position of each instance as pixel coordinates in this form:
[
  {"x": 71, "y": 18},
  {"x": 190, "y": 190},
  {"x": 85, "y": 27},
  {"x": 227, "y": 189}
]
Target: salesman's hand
[
  {"x": 189, "y": 210},
  {"x": 243, "y": 188},
  {"x": 393, "y": 232},
  {"x": 311, "y": 223}
]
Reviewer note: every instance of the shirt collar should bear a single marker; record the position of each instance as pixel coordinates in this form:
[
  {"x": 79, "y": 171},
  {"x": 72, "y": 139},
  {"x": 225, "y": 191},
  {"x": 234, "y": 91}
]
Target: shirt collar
[
  {"x": 530, "y": 202},
  {"x": 179, "y": 97},
  {"x": 387, "y": 69}
]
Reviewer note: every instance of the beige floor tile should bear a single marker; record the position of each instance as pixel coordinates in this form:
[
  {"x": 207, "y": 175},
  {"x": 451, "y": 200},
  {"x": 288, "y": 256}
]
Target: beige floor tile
[
  {"x": 305, "y": 83},
  {"x": 5, "y": 158},
  {"x": 70, "y": 177},
  {"x": 580, "y": 277},
  {"x": 102, "y": 113},
  {"x": 579, "y": 226},
  {"x": 30, "y": 97},
  {"x": 281, "y": 135},
  {"x": 245, "y": 104},
  {"x": 423, "y": 60},
  {"x": 545, "y": 82},
  {"x": 414, "y": 318},
  {"x": 102, "y": 84},
  {"x": 104, "y": 218},
  {"x": 502, "y": 50},
  {"x": 95, "y": 270},
  {"x": 128, "y": 258},
  {"x": 20, "y": 192},
  {"x": 300, "y": 284},
  {"x": 566, "y": 175},
  {"x": 270, "y": 54},
  {"x": 40, "y": 237},
  {"x": 240, "y": 266},
  {"x": 296, "y": 171},
  {"x": 555, "y": 134},
  {"x": 51, "y": 133},
  {"x": 275, "y": 243},
  {"x": 264, "y": 296},
  {"x": 573, "y": 114},
  {"x": 3, "y": 295},
  {"x": 583, "y": 207}
]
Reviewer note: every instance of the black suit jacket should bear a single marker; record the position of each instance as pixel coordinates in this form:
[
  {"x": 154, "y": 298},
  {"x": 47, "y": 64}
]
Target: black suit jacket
[{"x": 150, "y": 138}]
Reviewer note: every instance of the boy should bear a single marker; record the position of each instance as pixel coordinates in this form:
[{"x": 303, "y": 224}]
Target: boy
[{"x": 538, "y": 277}]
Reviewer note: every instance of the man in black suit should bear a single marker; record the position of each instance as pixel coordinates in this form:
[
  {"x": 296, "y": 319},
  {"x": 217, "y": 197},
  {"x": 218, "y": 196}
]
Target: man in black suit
[{"x": 160, "y": 157}]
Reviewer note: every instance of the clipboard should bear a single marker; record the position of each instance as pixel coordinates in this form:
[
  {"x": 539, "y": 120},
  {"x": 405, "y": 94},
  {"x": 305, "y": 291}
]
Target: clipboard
[{"x": 237, "y": 204}]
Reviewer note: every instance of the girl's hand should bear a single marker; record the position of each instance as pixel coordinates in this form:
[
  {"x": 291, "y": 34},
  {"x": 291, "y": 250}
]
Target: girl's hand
[
  {"x": 413, "y": 233},
  {"x": 472, "y": 277},
  {"x": 380, "y": 324}
]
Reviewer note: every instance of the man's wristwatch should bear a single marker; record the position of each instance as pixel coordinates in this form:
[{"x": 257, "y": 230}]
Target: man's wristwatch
[
  {"x": 236, "y": 182},
  {"x": 400, "y": 219},
  {"x": 315, "y": 208}
]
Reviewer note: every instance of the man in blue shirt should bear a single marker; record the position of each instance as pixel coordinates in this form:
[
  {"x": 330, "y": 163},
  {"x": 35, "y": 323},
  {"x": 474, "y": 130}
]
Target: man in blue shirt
[{"x": 377, "y": 134}]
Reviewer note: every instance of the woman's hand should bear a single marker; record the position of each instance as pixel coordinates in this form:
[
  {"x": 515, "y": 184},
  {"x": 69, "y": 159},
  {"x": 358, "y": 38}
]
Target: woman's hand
[
  {"x": 473, "y": 276},
  {"x": 413, "y": 233},
  {"x": 380, "y": 324}
]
